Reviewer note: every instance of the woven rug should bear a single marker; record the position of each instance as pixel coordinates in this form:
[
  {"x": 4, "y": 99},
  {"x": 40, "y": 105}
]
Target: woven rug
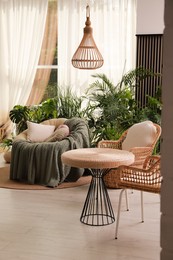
[{"x": 5, "y": 182}]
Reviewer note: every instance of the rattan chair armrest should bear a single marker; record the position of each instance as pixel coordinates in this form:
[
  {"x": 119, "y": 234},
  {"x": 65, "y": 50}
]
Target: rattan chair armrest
[
  {"x": 116, "y": 144},
  {"x": 140, "y": 149},
  {"x": 140, "y": 155},
  {"x": 110, "y": 144}
]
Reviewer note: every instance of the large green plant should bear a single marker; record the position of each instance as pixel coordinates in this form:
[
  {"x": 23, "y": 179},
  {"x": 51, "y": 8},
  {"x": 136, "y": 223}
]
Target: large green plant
[
  {"x": 115, "y": 105},
  {"x": 154, "y": 108},
  {"x": 38, "y": 113},
  {"x": 44, "y": 111},
  {"x": 69, "y": 105},
  {"x": 108, "y": 108}
]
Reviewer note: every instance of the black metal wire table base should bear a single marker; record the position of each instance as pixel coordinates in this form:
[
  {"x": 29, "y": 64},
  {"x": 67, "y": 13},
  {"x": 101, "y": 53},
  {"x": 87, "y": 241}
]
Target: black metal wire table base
[{"x": 97, "y": 210}]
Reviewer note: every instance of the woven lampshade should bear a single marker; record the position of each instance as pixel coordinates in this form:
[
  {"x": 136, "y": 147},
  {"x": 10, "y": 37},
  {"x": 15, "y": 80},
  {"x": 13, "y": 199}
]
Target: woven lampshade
[{"x": 87, "y": 55}]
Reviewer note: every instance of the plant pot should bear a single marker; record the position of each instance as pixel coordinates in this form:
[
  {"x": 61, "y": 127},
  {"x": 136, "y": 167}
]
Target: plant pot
[{"x": 7, "y": 156}]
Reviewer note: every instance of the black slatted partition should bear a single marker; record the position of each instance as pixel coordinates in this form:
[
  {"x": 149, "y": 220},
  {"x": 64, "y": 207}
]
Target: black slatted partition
[{"x": 149, "y": 56}]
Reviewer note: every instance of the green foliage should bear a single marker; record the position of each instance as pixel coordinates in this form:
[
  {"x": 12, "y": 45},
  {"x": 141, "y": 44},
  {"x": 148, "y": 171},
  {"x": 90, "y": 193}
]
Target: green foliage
[
  {"x": 46, "y": 110},
  {"x": 7, "y": 143},
  {"x": 19, "y": 115},
  {"x": 154, "y": 107},
  {"x": 116, "y": 106},
  {"x": 109, "y": 109},
  {"x": 66, "y": 105},
  {"x": 132, "y": 78},
  {"x": 51, "y": 89},
  {"x": 69, "y": 105}
]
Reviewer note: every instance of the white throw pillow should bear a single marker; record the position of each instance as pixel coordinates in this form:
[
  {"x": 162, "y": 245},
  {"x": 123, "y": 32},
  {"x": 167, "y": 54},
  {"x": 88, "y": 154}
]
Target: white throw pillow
[
  {"x": 139, "y": 135},
  {"x": 39, "y": 132}
]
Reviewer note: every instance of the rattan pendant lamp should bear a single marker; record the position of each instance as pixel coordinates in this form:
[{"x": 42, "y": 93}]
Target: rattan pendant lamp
[{"x": 87, "y": 55}]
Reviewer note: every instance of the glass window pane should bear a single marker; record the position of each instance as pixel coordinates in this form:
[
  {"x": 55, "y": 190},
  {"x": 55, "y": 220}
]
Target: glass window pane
[
  {"x": 48, "y": 54},
  {"x": 51, "y": 89}
]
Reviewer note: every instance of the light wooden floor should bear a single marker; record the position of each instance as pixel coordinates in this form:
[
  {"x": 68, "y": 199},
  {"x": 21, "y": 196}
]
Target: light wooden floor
[{"x": 45, "y": 225}]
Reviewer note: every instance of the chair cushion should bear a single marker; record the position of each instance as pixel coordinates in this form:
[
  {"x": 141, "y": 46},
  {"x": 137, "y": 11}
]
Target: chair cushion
[
  {"x": 60, "y": 133},
  {"x": 38, "y": 132},
  {"x": 140, "y": 135}
]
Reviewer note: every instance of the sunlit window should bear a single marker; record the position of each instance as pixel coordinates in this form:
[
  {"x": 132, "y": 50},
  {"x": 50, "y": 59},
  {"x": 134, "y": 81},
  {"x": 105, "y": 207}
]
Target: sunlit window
[{"x": 45, "y": 83}]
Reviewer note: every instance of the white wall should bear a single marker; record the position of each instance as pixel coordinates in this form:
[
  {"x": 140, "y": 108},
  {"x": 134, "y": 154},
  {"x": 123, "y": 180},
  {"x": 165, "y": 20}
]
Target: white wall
[{"x": 150, "y": 16}]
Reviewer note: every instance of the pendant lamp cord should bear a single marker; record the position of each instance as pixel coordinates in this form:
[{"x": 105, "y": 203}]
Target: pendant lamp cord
[{"x": 87, "y": 11}]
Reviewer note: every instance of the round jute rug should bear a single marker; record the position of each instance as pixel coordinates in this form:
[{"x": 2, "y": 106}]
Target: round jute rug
[{"x": 5, "y": 182}]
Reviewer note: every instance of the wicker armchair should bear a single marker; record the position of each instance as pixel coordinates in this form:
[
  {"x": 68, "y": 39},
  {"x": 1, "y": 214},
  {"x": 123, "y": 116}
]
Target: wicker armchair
[
  {"x": 111, "y": 179},
  {"x": 147, "y": 179}
]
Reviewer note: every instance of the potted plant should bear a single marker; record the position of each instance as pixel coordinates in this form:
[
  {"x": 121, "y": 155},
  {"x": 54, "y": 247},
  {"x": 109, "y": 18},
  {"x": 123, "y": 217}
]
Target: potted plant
[{"x": 7, "y": 145}]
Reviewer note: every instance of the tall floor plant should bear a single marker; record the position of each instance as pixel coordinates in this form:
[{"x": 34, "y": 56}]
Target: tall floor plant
[{"x": 115, "y": 105}]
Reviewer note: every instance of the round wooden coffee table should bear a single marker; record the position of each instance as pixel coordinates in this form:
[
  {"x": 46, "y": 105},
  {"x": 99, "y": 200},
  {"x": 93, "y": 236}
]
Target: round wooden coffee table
[{"x": 97, "y": 210}]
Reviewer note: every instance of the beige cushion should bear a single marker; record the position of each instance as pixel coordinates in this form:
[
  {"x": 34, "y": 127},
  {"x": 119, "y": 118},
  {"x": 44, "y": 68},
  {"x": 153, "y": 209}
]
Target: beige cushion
[
  {"x": 54, "y": 121},
  {"x": 140, "y": 135},
  {"x": 60, "y": 133},
  {"x": 38, "y": 132}
]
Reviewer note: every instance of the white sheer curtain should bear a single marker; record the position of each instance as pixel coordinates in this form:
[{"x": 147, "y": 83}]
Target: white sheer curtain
[
  {"x": 114, "y": 28},
  {"x": 21, "y": 32}
]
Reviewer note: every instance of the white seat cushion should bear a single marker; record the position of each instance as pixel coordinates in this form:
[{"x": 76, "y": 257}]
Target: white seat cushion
[{"x": 140, "y": 135}]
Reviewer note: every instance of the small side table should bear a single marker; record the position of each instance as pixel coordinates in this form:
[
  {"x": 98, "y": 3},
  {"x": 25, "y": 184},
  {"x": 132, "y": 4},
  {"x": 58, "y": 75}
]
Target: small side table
[{"x": 97, "y": 210}]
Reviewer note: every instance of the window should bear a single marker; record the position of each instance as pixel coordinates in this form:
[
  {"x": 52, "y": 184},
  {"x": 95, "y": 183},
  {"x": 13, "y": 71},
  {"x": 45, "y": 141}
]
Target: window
[
  {"x": 65, "y": 20},
  {"x": 45, "y": 83}
]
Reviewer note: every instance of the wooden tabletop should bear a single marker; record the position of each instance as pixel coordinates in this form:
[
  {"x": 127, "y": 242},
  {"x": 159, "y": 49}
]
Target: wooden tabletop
[{"x": 97, "y": 158}]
